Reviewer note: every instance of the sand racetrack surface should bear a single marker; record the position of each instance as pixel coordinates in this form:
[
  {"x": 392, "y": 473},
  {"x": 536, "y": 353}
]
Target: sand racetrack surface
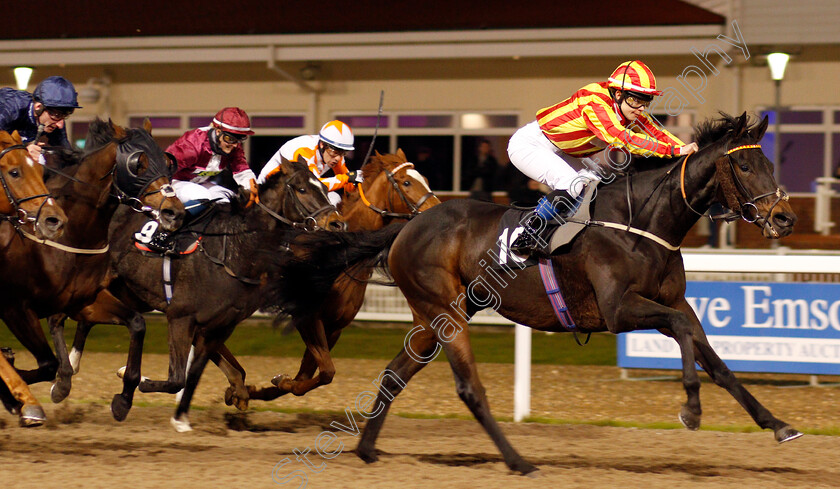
[{"x": 82, "y": 446}]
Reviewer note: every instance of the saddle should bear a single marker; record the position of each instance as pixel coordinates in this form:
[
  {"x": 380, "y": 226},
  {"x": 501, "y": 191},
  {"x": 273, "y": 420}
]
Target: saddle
[{"x": 510, "y": 226}]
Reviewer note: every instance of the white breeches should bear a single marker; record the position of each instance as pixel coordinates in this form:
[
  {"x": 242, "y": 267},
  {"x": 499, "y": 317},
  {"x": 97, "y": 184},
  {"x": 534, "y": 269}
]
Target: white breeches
[
  {"x": 189, "y": 191},
  {"x": 538, "y": 158}
]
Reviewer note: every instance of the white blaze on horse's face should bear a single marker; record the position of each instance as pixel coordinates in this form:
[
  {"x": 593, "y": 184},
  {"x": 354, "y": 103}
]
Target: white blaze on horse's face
[{"x": 417, "y": 176}]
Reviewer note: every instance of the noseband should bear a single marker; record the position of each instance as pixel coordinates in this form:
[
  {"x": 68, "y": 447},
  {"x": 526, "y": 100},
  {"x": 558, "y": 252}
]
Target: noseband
[
  {"x": 20, "y": 215},
  {"x": 309, "y": 222},
  {"x": 395, "y": 186},
  {"x": 741, "y": 189}
]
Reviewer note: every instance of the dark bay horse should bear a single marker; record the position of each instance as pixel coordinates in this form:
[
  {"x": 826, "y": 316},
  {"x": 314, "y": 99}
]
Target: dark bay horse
[
  {"x": 392, "y": 191},
  {"x": 25, "y": 202},
  {"x": 237, "y": 271},
  {"x": 617, "y": 281},
  {"x": 66, "y": 274}
]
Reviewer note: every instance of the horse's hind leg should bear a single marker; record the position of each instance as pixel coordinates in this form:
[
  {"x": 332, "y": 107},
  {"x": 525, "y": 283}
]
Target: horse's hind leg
[
  {"x": 420, "y": 348},
  {"x": 236, "y": 394},
  {"x": 470, "y": 390},
  {"x": 29, "y": 409},
  {"x": 722, "y": 376}
]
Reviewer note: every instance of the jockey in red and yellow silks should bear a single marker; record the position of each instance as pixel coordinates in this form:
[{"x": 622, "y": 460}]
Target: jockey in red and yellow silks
[
  {"x": 323, "y": 152},
  {"x": 553, "y": 149}
]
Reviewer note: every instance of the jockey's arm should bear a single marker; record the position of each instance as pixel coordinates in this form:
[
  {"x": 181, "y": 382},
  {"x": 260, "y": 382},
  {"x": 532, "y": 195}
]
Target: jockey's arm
[{"x": 604, "y": 123}]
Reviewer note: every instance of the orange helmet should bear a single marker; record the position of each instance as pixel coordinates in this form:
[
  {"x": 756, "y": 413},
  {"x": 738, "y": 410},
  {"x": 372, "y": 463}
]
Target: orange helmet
[{"x": 634, "y": 76}]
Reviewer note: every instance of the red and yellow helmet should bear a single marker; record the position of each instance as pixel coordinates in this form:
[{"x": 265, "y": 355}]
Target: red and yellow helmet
[{"x": 634, "y": 76}]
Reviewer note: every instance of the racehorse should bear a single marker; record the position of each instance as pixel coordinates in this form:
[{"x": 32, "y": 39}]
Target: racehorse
[
  {"x": 25, "y": 202},
  {"x": 65, "y": 275},
  {"x": 392, "y": 191},
  {"x": 238, "y": 270},
  {"x": 618, "y": 278}
]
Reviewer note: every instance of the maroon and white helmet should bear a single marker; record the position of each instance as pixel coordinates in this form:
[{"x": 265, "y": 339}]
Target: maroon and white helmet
[{"x": 233, "y": 120}]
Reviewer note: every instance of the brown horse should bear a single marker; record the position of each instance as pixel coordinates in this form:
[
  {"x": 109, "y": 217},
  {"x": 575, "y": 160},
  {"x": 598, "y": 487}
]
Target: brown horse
[
  {"x": 26, "y": 202},
  {"x": 392, "y": 191},
  {"x": 613, "y": 280},
  {"x": 65, "y": 275},
  {"x": 235, "y": 273}
]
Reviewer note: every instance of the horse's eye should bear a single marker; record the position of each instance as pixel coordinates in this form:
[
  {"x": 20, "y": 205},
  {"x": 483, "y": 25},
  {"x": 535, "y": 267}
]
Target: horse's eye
[
  {"x": 407, "y": 183},
  {"x": 302, "y": 190},
  {"x": 745, "y": 168},
  {"x": 14, "y": 173}
]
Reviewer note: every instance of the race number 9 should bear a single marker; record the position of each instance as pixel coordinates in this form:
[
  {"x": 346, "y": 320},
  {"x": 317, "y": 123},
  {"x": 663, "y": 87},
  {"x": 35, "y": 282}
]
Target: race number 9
[{"x": 146, "y": 233}]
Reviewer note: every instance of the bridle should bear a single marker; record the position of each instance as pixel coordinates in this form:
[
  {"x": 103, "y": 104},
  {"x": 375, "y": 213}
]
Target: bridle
[
  {"x": 395, "y": 187},
  {"x": 20, "y": 216},
  {"x": 309, "y": 221},
  {"x": 737, "y": 207}
]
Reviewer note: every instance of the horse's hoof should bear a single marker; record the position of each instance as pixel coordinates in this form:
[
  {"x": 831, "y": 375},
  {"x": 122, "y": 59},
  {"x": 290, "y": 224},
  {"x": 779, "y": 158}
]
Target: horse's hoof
[
  {"x": 120, "y": 407},
  {"x": 369, "y": 456},
  {"x": 281, "y": 378},
  {"x": 181, "y": 425},
  {"x": 32, "y": 415},
  {"x": 60, "y": 390},
  {"x": 231, "y": 399},
  {"x": 527, "y": 469},
  {"x": 786, "y": 433},
  {"x": 689, "y": 419}
]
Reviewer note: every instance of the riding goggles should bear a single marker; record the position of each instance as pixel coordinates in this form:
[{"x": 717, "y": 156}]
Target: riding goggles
[
  {"x": 636, "y": 103},
  {"x": 231, "y": 138},
  {"x": 57, "y": 114},
  {"x": 335, "y": 152}
]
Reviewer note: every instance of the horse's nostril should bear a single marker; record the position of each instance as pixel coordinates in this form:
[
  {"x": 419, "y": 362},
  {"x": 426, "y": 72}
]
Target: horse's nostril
[
  {"x": 338, "y": 226},
  {"x": 168, "y": 213},
  {"x": 53, "y": 223},
  {"x": 783, "y": 220}
]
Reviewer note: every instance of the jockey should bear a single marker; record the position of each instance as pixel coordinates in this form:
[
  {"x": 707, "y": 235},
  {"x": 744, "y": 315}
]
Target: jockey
[
  {"x": 43, "y": 111},
  {"x": 323, "y": 152},
  {"x": 553, "y": 149},
  {"x": 205, "y": 152}
]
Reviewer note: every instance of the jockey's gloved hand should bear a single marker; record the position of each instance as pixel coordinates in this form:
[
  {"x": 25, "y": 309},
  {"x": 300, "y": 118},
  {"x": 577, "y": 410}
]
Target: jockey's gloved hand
[
  {"x": 355, "y": 176},
  {"x": 254, "y": 194}
]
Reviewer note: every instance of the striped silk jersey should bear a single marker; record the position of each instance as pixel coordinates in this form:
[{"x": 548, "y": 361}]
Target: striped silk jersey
[
  {"x": 574, "y": 124},
  {"x": 307, "y": 146}
]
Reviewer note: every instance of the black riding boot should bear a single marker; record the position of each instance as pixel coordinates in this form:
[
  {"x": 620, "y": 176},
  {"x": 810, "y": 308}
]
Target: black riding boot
[{"x": 549, "y": 213}]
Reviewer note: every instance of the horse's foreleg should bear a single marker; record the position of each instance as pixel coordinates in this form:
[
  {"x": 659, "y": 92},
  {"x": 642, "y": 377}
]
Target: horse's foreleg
[
  {"x": 722, "y": 376},
  {"x": 201, "y": 354},
  {"x": 180, "y": 341},
  {"x": 63, "y": 377},
  {"x": 420, "y": 348},
  {"x": 122, "y": 402},
  {"x": 638, "y": 313},
  {"x": 28, "y": 408},
  {"x": 26, "y": 327}
]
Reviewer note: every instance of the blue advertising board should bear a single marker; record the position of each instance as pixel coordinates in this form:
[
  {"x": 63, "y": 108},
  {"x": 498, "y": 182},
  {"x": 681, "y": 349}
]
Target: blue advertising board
[{"x": 753, "y": 327}]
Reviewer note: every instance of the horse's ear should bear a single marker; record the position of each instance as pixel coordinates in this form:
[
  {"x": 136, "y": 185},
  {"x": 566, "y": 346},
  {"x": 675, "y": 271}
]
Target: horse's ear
[
  {"x": 377, "y": 154},
  {"x": 147, "y": 125},
  {"x": 119, "y": 132},
  {"x": 741, "y": 125},
  {"x": 15, "y": 137},
  {"x": 758, "y": 131},
  {"x": 401, "y": 155}
]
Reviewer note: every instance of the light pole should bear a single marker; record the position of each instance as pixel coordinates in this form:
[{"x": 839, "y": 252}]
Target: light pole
[
  {"x": 778, "y": 63},
  {"x": 22, "y": 74}
]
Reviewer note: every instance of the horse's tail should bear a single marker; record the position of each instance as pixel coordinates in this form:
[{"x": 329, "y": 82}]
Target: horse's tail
[{"x": 321, "y": 257}]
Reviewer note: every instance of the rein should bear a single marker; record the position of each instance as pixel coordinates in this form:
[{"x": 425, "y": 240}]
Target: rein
[{"x": 415, "y": 207}]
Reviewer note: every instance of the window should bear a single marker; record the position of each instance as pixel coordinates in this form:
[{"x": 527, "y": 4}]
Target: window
[
  {"x": 438, "y": 143},
  {"x": 808, "y": 145}
]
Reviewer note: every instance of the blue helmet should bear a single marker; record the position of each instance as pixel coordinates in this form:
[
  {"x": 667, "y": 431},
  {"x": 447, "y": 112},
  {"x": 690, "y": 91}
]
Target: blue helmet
[{"x": 56, "y": 91}]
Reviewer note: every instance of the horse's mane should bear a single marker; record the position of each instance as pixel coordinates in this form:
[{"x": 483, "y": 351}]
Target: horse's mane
[
  {"x": 377, "y": 164},
  {"x": 100, "y": 134},
  {"x": 711, "y": 131}
]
